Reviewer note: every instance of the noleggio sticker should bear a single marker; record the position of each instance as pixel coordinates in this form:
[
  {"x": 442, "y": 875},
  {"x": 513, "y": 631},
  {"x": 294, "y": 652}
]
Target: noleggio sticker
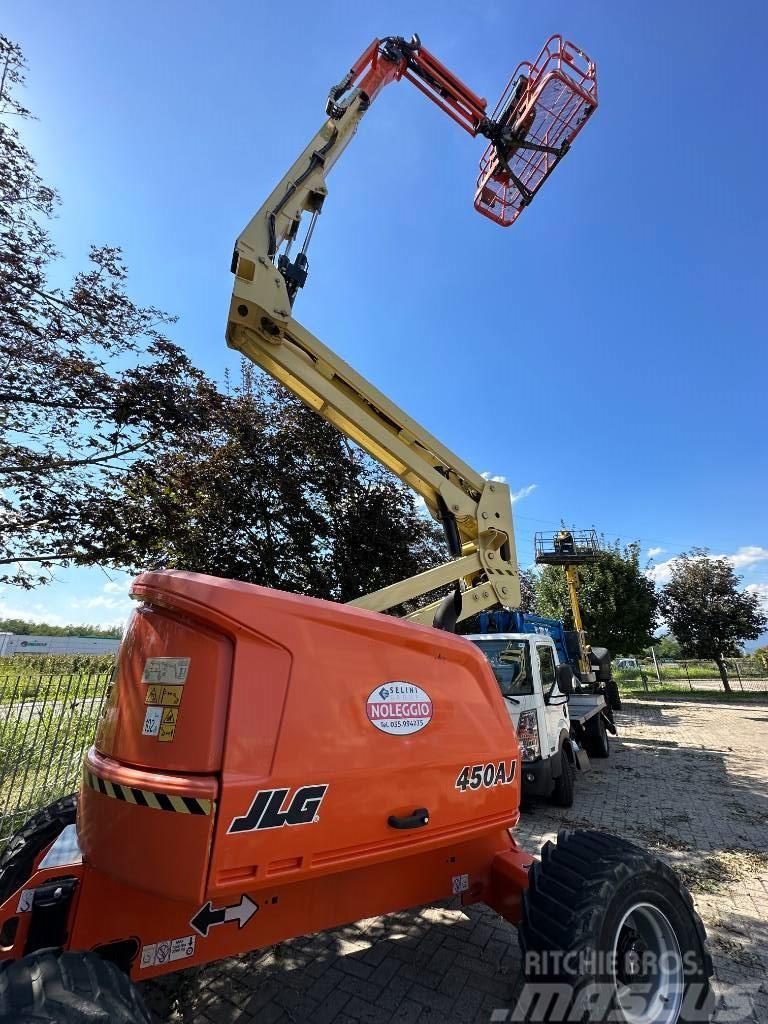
[{"x": 399, "y": 708}]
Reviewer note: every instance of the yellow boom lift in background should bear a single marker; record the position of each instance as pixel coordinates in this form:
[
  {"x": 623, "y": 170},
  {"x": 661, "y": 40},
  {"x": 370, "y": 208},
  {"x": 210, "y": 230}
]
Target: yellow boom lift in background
[{"x": 570, "y": 549}]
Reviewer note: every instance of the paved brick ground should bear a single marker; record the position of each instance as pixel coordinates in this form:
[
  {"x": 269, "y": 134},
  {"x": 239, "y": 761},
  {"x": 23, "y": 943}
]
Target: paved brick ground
[{"x": 686, "y": 780}]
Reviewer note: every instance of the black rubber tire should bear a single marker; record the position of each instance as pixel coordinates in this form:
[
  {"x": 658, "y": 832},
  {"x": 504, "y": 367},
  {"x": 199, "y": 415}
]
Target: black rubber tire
[
  {"x": 562, "y": 794},
  {"x": 596, "y": 739},
  {"x": 612, "y": 695},
  {"x": 578, "y": 894},
  {"x": 18, "y": 858},
  {"x": 68, "y": 988}
]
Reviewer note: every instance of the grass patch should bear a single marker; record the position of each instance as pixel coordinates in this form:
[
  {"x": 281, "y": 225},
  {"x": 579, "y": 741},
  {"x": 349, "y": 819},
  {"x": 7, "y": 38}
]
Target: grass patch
[
  {"x": 46, "y": 726},
  {"x": 679, "y": 673},
  {"x": 51, "y": 688},
  {"x": 27, "y": 677},
  {"x": 30, "y": 666},
  {"x": 682, "y": 691}
]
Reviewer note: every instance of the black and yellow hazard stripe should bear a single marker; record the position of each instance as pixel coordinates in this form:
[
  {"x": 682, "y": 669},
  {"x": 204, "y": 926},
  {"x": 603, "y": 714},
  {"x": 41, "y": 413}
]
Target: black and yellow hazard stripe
[{"x": 148, "y": 798}]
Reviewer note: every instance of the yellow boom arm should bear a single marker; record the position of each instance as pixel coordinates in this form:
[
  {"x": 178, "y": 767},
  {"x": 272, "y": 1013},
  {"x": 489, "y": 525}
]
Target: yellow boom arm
[{"x": 476, "y": 513}]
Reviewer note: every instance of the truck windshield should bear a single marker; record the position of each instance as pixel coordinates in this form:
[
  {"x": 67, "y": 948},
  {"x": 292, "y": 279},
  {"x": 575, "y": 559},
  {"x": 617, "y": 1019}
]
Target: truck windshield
[{"x": 510, "y": 664}]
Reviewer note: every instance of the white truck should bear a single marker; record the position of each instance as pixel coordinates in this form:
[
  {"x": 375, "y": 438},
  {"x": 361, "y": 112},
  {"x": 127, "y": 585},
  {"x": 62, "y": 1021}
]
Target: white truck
[{"x": 558, "y": 727}]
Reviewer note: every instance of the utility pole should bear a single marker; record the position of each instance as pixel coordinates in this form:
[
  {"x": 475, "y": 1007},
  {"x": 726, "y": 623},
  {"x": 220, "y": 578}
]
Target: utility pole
[{"x": 656, "y": 665}]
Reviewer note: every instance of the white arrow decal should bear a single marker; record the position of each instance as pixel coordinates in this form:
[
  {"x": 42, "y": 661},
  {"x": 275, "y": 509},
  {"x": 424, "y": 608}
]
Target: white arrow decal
[
  {"x": 207, "y": 918},
  {"x": 243, "y": 912}
]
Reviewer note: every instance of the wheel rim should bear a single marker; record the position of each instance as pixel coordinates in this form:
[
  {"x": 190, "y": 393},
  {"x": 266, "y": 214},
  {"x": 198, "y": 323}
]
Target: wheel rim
[{"x": 647, "y": 967}]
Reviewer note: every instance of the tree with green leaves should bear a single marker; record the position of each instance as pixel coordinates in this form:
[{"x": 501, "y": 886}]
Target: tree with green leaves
[
  {"x": 528, "y": 598},
  {"x": 26, "y": 627},
  {"x": 272, "y": 494},
  {"x": 618, "y": 602},
  {"x": 667, "y": 647},
  {"x": 116, "y": 451},
  {"x": 707, "y": 612},
  {"x": 89, "y": 381}
]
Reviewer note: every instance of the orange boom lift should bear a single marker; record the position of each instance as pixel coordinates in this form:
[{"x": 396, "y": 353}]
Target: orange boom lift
[{"x": 270, "y": 765}]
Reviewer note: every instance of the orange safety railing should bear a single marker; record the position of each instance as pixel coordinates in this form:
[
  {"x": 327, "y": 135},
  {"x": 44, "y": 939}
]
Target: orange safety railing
[{"x": 542, "y": 110}]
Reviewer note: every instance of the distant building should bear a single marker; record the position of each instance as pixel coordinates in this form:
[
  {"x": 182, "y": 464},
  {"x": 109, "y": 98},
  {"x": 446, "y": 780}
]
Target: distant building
[{"x": 19, "y": 643}]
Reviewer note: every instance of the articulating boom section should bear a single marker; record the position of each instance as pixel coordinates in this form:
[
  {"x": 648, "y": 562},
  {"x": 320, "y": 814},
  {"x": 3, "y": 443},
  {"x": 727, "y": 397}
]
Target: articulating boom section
[
  {"x": 476, "y": 514},
  {"x": 273, "y": 277}
]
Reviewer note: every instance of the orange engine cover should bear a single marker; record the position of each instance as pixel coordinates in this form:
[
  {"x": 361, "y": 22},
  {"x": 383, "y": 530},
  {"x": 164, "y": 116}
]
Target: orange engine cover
[{"x": 317, "y": 738}]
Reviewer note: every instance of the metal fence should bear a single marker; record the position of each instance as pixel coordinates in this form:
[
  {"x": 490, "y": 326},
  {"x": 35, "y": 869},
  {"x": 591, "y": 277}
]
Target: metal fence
[
  {"x": 47, "y": 722},
  {"x": 745, "y": 675}
]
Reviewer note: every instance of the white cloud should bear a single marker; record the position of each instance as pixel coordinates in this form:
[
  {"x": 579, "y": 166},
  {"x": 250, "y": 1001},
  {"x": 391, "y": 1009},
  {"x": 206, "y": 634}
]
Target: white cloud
[
  {"x": 747, "y": 556},
  {"x": 743, "y": 558},
  {"x": 103, "y": 601},
  {"x": 761, "y": 589},
  {"x": 9, "y": 611},
  {"x": 514, "y": 495},
  {"x": 661, "y": 573},
  {"x": 117, "y": 586},
  {"x": 523, "y": 492},
  {"x": 654, "y": 552}
]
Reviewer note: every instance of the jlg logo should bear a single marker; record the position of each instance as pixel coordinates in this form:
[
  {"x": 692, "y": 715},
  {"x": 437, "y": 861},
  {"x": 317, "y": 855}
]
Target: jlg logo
[{"x": 267, "y": 810}]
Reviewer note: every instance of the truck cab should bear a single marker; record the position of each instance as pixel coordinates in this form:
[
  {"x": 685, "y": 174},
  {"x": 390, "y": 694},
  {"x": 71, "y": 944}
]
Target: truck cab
[
  {"x": 555, "y": 725},
  {"x": 526, "y": 669}
]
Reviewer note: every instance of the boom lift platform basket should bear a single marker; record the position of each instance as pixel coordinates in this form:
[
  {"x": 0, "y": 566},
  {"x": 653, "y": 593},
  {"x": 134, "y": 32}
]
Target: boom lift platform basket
[
  {"x": 566, "y": 547},
  {"x": 540, "y": 113}
]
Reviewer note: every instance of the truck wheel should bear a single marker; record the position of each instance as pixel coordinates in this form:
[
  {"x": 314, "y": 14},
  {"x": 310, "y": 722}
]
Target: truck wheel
[
  {"x": 68, "y": 988},
  {"x": 562, "y": 794},
  {"x": 597, "y": 737},
  {"x": 18, "y": 858},
  {"x": 612, "y": 695},
  {"x": 614, "y": 932}
]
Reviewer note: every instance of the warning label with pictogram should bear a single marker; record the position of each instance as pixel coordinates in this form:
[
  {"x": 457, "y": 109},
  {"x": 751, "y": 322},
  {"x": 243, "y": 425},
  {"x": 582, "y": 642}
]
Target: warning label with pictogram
[
  {"x": 167, "y": 696},
  {"x": 158, "y": 953},
  {"x": 166, "y": 670},
  {"x": 152, "y": 721},
  {"x": 168, "y": 725}
]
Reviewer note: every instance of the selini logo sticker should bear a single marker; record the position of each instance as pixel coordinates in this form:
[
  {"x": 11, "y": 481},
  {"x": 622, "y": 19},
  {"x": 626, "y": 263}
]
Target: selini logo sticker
[{"x": 399, "y": 708}]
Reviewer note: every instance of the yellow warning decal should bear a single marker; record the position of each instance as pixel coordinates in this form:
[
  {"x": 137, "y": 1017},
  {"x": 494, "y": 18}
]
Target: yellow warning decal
[
  {"x": 167, "y": 696},
  {"x": 148, "y": 798},
  {"x": 168, "y": 725}
]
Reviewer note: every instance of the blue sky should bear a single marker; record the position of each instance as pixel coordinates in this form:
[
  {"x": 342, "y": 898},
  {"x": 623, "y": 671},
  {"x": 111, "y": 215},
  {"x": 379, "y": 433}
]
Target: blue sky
[{"x": 606, "y": 355}]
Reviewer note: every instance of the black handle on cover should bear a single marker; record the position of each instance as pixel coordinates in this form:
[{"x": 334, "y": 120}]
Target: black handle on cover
[{"x": 419, "y": 817}]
